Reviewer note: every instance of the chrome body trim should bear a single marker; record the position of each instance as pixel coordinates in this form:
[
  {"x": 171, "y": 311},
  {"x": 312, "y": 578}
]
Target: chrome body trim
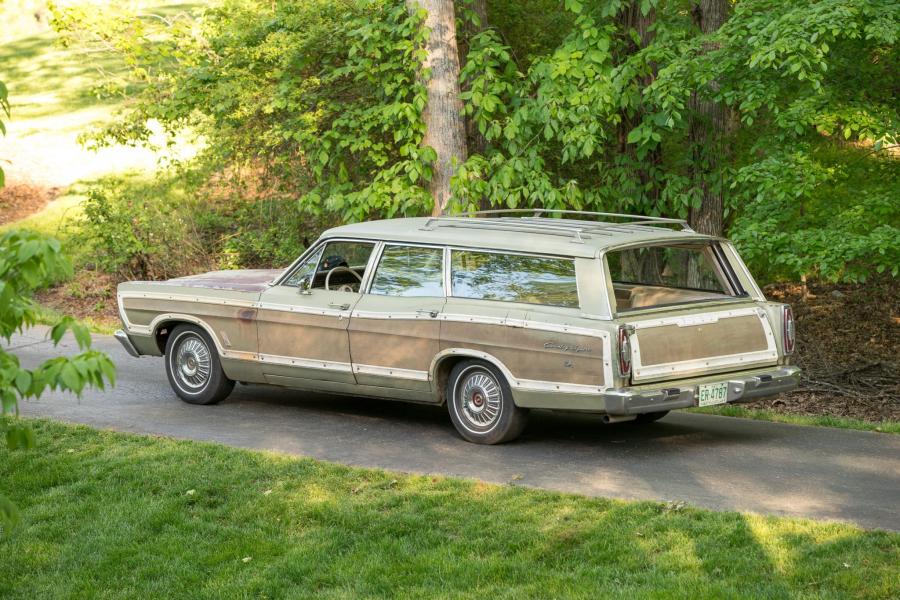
[
  {"x": 306, "y": 363},
  {"x": 391, "y": 372},
  {"x": 398, "y": 316},
  {"x": 303, "y": 310},
  {"x": 189, "y": 298},
  {"x": 126, "y": 343}
]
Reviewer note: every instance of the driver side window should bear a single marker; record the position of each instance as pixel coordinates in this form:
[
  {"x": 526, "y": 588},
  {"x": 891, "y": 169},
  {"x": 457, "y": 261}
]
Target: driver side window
[{"x": 337, "y": 266}]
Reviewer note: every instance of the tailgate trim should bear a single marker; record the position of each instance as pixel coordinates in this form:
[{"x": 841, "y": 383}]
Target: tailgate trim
[{"x": 714, "y": 364}]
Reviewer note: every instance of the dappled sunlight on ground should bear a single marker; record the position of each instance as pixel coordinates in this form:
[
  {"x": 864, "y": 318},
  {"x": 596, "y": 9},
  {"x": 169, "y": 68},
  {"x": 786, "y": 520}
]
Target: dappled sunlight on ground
[{"x": 53, "y": 102}]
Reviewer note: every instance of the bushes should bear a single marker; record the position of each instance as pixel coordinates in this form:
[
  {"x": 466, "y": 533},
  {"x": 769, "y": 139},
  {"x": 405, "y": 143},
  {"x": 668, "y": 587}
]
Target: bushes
[
  {"x": 142, "y": 229},
  {"x": 831, "y": 213},
  {"x": 168, "y": 227}
]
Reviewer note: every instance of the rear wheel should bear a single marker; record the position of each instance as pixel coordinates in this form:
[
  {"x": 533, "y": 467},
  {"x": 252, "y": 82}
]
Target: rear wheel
[
  {"x": 481, "y": 406},
  {"x": 650, "y": 417},
  {"x": 193, "y": 367}
]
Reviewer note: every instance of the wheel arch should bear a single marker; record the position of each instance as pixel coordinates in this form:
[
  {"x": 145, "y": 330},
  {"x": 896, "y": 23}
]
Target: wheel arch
[
  {"x": 445, "y": 360},
  {"x": 162, "y": 326}
]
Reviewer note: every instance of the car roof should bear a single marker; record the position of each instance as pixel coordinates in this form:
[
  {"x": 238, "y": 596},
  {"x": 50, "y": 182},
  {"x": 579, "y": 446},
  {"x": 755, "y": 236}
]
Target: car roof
[{"x": 543, "y": 235}]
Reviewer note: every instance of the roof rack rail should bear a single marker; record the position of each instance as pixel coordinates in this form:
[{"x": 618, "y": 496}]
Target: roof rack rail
[{"x": 534, "y": 222}]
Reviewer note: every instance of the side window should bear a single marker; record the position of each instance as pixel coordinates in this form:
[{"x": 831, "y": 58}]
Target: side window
[
  {"x": 306, "y": 270},
  {"x": 514, "y": 278},
  {"x": 409, "y": 271},
  {"x": 337, "y": 266}
]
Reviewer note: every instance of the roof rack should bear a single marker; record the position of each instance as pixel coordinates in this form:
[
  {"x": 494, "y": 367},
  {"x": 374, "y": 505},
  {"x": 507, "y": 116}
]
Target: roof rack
[{"x": 578, "y": 229}]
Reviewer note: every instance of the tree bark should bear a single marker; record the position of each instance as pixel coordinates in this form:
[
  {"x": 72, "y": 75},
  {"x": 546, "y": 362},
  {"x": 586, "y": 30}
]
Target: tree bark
[
  {"x": 475, "y": 142},
  {"x": 630, "y": 18},
  {"x": 444, "y": 123},
  {"x": 711, "y": 123}
]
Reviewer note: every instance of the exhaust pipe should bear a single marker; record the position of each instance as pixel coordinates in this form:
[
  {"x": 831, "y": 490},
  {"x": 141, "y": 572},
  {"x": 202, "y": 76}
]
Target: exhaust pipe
[{"x": 608, "y": 419}]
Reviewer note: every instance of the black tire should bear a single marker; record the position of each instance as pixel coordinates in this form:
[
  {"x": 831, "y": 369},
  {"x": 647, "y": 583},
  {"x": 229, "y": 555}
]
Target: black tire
[
  {"x": 190, "y": 350},
  {"x": 481, "y": 406},
  {"x": 644, "y": 418}
]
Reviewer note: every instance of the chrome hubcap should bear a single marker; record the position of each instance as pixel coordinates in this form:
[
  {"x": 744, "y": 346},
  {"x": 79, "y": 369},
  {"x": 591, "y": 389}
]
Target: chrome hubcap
[
  {"x": 192, "y": 363},
  {"x": 480, "y": 399}
]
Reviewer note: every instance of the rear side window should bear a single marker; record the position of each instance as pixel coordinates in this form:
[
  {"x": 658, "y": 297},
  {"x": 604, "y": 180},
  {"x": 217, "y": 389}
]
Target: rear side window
[
  {"x": 513, "y": 278},
  {"x": 409, "y": 271}
]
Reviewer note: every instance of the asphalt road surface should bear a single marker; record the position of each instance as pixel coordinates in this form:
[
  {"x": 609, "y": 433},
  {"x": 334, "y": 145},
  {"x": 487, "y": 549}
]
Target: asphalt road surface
[{"x": 715, "y": 462}]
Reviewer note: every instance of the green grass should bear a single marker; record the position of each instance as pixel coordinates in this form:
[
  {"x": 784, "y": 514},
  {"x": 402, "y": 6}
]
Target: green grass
[
  {"x": 114, "y": 515},
  {"x": 815, "y": 420}
]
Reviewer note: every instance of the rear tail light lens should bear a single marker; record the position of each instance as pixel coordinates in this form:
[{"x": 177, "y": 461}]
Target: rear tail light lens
[
  {"x": 789, "y": 332},
  {"x": 624, "y": 352}
]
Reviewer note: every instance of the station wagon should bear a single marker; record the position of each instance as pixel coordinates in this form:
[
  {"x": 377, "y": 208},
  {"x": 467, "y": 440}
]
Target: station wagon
[{"x": 490, "y": 314}]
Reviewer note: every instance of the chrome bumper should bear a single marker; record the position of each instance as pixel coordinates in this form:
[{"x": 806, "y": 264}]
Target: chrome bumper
[
  {"x": 126, "y": 343},
  {"x": 683, "y": 394}
]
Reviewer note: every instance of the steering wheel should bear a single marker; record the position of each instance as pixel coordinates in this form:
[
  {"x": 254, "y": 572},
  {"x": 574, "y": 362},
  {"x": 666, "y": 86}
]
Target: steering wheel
[{"x": 341, "y": 268}]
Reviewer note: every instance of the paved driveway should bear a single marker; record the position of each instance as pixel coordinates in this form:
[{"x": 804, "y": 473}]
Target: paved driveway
[{"x": 715, "y": 462}]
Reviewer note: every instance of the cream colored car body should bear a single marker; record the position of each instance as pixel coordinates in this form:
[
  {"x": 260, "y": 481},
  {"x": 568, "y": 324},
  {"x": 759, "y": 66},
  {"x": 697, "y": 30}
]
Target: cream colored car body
[{"x": 568, "y": 358}]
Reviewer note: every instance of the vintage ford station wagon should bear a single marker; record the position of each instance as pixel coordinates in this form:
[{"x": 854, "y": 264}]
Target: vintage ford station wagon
[{"x": 493, "y": 314}]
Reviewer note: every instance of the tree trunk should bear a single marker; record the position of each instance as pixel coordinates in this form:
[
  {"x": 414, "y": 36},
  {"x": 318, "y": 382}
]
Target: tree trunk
[
  {"x": 475, "y": 142},
  {"x": 444, "y": 124},
  {"x": 630, "y": 18},
  {"x": 711, "y": 124}
]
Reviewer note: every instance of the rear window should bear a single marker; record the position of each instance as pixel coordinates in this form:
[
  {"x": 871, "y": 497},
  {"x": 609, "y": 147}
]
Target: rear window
[
  {"x": 513, "y": 278},
  {"x": 667, "y": 274}
]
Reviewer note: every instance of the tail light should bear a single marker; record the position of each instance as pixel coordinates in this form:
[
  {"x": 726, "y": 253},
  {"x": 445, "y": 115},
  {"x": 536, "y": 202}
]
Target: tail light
[
  {"x": 624, "y": 352},
  {"x": 789, "y": 333}
]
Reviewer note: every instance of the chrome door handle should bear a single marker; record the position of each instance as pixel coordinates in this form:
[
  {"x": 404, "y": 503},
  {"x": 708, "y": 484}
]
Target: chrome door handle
[
  {"x": 424, "y": 311},
  {"x": 338, "y": 306}
]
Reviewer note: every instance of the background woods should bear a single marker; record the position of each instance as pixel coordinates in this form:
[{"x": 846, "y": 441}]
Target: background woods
[{"x": 775, "y": 123}]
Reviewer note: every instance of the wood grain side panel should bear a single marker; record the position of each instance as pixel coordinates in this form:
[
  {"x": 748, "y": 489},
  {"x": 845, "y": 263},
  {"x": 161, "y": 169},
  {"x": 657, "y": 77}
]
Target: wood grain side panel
[
  {"x": 401, "y": 343},
  {"x": 671, "y": 343},
  {"x": 532, "y": 353},
  {"x": 320, "y": 337}
]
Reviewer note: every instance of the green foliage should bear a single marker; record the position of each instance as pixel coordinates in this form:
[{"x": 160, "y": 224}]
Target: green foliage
[
  {"x": 132, "y": 225},
  {"x": 4, "y": 111},
  {"x": 29, "y": 261},
  {"x": 136, "y": 227},
  {"x": 803, "y": 214},
  {"x": 324, "y": 99},
  {"x": 265, "y": 233}
]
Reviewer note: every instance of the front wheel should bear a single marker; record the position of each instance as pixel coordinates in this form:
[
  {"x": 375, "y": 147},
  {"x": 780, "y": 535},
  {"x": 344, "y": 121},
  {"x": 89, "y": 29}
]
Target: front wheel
[
  {"x": 193, "y": 367},
  {"x": 481, "y": 406}
]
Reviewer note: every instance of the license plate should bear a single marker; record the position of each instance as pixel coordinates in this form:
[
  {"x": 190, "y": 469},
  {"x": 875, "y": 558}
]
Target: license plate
[{"x": 711, "y": 394}]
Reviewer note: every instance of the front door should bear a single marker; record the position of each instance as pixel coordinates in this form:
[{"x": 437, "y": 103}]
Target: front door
[
  {"x": 395, "y": 327},
  {"x": 303, "y": 322}
]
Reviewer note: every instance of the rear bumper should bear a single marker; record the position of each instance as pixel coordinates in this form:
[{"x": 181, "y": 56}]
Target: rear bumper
[
  {"x": 126, "y": 343},
  {"x": 741, "y": 388}
]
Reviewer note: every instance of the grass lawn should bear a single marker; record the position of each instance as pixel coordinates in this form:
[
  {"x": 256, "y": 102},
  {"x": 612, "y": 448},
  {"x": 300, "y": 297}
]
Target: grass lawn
[
  {"x": 115, "y": 515},
  {"x": 815, "y": 420}
]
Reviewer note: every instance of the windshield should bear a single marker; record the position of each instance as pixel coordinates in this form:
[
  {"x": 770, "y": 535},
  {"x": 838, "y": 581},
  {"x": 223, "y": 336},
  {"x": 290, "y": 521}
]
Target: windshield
[{"x": 666, "y": 274}]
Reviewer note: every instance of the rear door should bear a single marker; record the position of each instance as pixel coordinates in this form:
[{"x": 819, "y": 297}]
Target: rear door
[
  {"x": 714, "y": 341},
  {"x": 687, "y": 311}
]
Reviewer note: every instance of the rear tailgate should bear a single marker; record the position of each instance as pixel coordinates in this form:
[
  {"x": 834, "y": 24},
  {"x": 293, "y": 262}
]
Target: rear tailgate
[{"x": 694, "y": 344}]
